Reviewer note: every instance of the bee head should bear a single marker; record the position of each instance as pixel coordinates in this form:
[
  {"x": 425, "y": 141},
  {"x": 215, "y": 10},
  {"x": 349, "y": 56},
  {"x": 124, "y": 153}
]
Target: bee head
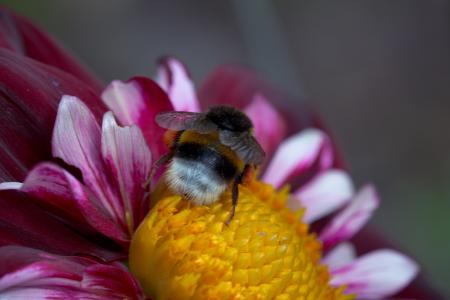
[{"x": 229, "y": 118}]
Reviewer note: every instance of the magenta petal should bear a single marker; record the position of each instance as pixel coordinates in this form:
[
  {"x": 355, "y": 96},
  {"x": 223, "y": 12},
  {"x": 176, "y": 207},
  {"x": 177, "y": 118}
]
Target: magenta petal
[
  {"x": 29, "y": 99},
  {"x": 297, "y": 154},
  {"x": 27, "y": 272},
  {"x": 174, "y": 78},
  {"x": 63, "y": 194},
  {"x": 325, "y": 193},
  {"x": 50, "y": 183},
  {"x": 376, "y": 275},
  {"x": 232, "y": 85},
  {"x": 125, "y": 152},
  {"x": 77, "y": 141},
  {"x": 23, "y": 223},
  {"x": 138, "y": 101},
  {"x": 351, "y": 219},
  {"x": 111, "y": 280},
  {"x": 25, "y": 38},
  {"x": 269, "y": 126}
]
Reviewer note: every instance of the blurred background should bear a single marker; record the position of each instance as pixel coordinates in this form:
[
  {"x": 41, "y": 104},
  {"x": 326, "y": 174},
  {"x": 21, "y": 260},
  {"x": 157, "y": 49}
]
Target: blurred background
[{"x": 378, "y": 71}]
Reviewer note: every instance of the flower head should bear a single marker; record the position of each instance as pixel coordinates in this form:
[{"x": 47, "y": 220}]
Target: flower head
[
  {"x": 184, "y": 251},
  {"x": 83, "y": 208}
]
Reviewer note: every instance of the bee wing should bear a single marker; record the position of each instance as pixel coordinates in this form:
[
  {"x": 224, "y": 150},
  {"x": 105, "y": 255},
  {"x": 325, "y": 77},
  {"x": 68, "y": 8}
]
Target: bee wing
[
  {"x": 183, "y": 120},
  {"x": 245, "y": 145}
]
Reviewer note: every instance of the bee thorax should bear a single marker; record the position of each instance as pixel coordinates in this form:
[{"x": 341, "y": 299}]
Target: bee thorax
[{"x": 195, "y": 181}]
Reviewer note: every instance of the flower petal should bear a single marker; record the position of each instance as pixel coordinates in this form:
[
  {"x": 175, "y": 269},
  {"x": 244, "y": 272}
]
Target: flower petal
[
  {"x": 232, "y": 85},
  {"x": 138, "y": 101},
  {"x": 325, "y": 193},
  {"x": 270, "y": 127},
  {"x": 339, "y": 256},
  {"x": 27, "y": 272},
  {"x": 76, "y": 140},
  {"x": 30, "y": 95},
  {"x": 376, "y": 275},
  {"x": 297, "y": 154},
  {"x": 25, "y": 38},
  {"x": 125, "y": 152},
  {"x": 64, "y": 195},
  {"x": 350, "y": 220},
  {"x": 24, "y": 223},
  {"x": 174, "y": 78},
  {"x": 111, "y": 280}
]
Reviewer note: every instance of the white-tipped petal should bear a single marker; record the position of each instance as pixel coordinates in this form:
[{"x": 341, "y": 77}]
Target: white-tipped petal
[
  {"x": 342, "y": 254},
  {"x": 174, "y": 78},
  {"x": 352, "y": 218},
  {"x": 298, "y": 153},
  {"x": 269, "y": 126},
  {"x": 376, "y": 275},
  {"x": 325, "y": 193},
  {"x": 10, "y": 185}
]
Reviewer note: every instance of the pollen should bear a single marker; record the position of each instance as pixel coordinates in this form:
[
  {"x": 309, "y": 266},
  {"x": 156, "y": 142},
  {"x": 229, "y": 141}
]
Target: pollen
[{"x": 185, "y": 251}]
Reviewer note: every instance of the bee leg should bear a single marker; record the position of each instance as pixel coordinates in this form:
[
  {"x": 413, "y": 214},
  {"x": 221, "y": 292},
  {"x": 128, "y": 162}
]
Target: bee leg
[
  {"x": 235, "y": 192},
  {"x": 234, "y": 199},
  {"x": 161, "y": 161}
]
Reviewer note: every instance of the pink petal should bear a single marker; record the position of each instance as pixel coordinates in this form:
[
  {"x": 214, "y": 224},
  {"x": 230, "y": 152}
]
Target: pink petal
[
  {"x": 298, "y": 153},
  {"x": 325, "y": 193},
  {"x": 138, "y": 101},
  {"x": 339, "y": 256},
  {"x": 27, "y": 272},
  {"x": 76, "y": 140},
  {"x": 63, "y": 194},
  {"x": 129, "y": 159},
  {"x": 350, "y": 220},
  {"x": 376, "y": 275},
  {"x": 174, "y": 78},
  {"x": 269, "y": 126}
]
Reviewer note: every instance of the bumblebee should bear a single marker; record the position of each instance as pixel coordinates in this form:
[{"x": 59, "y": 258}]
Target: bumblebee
[{"x": 209, "y": 153}]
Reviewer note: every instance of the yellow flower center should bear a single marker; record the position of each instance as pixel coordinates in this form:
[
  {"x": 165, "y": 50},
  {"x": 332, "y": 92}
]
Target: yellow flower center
[{"x": 183, "y": 251}]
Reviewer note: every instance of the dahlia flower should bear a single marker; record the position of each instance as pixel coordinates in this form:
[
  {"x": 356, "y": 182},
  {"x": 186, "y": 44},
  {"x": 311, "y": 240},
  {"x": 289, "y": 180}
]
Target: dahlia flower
[{"x": 71, "y": 212}]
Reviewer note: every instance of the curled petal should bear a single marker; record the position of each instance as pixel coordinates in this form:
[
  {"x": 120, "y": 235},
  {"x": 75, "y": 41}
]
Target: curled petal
[
  {"x": 352, "y": 218},
  {"x": 31, "y": 273},
  {"x": 325, "y": 193},
  {"x": 269, "y": 126},
  {"x": 58, "y": 190},
  {"x": 339, "y": 256},
  {"x": 125, "y": 152},
  {"x": 138, "y": 101},
  {"x": 173, "y": 77},
  {"x": 376, "y": 275},
  {"x": 24, "y": 223},
  {"x": 297, "y": 154},
  {"x": 111, "y": 280},
  {"x": 76, "y": 140}
]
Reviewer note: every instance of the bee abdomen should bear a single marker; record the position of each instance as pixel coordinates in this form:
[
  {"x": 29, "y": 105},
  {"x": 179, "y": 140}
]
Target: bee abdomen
[
  {"x": 210, "y": 157},
  {"x": 199, "y": 173}
]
